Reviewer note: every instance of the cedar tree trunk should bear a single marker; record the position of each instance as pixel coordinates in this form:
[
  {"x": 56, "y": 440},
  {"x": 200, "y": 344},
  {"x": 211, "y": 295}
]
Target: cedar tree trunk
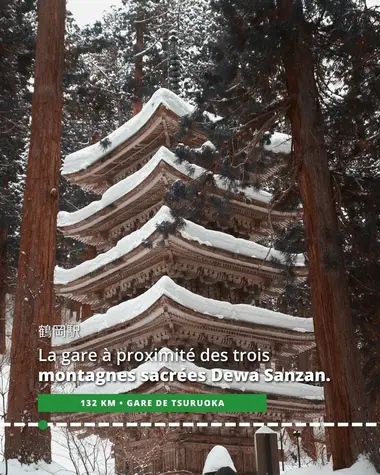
[
  {"x": 3, "y": 279},
  {"x": 345, "y": 395},
  {"x": 3, "y": 286},
  {"x": 34, "y": 302}
]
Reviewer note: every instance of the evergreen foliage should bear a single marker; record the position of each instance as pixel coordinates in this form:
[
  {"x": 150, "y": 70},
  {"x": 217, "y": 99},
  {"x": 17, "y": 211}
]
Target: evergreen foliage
[
  {"x": 247, "y": 86},
  {"x": 99, "y": 79},
  {"x": 17, "y": 38}
]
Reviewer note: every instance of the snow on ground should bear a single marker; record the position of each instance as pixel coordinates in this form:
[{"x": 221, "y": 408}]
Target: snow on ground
[
  {"x": 361, "y": 467},
  {"x": 83, "y": 456},
  {"x": 42, "y": 468},
  {"x": 191, "y": 232},
  {"x": 131, "y": 309},
  {"x": 217, "y": 458},
  {"x": 165, "y": 358},
  {"x": 82, "y": 159},
  {"x": 71, "y": 455},
  {"x": 131, "y": 182}
]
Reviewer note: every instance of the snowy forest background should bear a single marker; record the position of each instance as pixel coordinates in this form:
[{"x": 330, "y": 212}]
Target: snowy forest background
[{"x": 100, "y": 92}]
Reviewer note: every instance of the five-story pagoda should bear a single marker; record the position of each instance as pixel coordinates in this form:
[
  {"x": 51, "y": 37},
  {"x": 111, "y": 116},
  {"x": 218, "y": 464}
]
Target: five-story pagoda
[{"x": 200, "y": 286}]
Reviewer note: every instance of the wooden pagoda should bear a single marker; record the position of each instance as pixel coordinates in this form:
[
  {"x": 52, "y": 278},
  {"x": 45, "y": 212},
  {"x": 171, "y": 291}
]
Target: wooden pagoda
[{"x": 203, "y": 286}]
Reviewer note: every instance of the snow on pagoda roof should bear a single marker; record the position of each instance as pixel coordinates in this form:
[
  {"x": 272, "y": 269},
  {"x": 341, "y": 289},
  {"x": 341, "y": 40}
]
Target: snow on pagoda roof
[
  {"x": 82, "y": 159},
  {"x": 265, "y": 430},
  {"x": 287, "y": 389},
  {"x": 191, "y": 232},
  {"x": 131, "y": 182},
  {"x": 131, "y": 309}
]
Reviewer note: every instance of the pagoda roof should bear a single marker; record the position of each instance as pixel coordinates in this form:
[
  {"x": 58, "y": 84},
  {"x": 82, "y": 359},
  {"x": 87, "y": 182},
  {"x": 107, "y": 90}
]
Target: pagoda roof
[
  {"x": 190, "y": 231},
  {"x": 283, "y": 389},
  {"x": 121, "y": 153},
  {"x": 94, "y": 166},
  {"x": 120, "y": 202},
  {"x": 134, "y": 253},
  {"x": 168, "y": 305}
]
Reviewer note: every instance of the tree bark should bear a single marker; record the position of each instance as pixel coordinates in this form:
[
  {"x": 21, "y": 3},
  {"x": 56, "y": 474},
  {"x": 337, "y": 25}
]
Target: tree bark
[
  {"x": 3, "y": 279},
  {"x": 345, "y": 395},
  {"x": 3, "y": 286},
  {"x": 34, "y": 302}
]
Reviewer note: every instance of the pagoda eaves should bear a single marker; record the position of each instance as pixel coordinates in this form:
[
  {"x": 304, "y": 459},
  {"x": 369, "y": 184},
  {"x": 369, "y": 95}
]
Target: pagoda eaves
[
  {"x": 121, "y": 208},
  {"x": 285, "y": 389},
  {"x": 99, "y": 166},
  {"x": 168, "y": 312},
  {"x": 193, "y": 249},
  {"x": 125, "y": 150}
]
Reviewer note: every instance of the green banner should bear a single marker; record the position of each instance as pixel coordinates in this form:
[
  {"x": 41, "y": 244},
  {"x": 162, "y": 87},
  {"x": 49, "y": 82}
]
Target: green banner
[{"x": 152, "y": 403}]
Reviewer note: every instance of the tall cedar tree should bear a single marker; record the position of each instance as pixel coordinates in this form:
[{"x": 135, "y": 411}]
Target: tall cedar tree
[
  {"x": 353, "y": 141},
  {"x": 268, "y": 62},
  {"x": 34, "y": 294}
]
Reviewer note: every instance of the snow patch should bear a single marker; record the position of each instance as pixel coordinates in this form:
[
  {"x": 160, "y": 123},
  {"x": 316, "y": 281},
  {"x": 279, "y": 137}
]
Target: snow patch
[
  {"x": 217, "y": 458},
  {"x": 278, "y": 143},
  {"x": 40, "y": 468},
  {"x": 361, "y": 467},
  {"x": 265, "y": 430},
  {"x": 190, "y": 231}
]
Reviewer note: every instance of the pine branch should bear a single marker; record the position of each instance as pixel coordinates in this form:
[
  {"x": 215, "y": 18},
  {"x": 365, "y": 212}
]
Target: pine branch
[
  {"x": 274, "y": 110},
  {"x": 252, "y": 145},
  {"x": 154, "y": 17}
]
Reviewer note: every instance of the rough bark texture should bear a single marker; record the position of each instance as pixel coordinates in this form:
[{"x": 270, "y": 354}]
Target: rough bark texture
[
  {"x": 138, "y": 99},
  {"x": 334, "y": 330},
  {"x": 3, "y": 274},
  {"x": 3, "y": 280},
  {"x": 34, "y": 302},
  {"x": 3, "y": 285}
]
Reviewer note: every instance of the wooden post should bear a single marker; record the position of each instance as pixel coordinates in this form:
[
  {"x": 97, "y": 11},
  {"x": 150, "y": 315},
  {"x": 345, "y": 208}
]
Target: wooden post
[
  {"x": 85, "y": 310},
  {"x": 266, "y": 448}
]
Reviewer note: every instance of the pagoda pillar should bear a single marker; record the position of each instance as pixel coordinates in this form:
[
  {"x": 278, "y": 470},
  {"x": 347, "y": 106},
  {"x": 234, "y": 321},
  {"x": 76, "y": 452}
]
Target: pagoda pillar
[
  {"x": 85, "y": 310},
  {"x": 304, "y": 361}
]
